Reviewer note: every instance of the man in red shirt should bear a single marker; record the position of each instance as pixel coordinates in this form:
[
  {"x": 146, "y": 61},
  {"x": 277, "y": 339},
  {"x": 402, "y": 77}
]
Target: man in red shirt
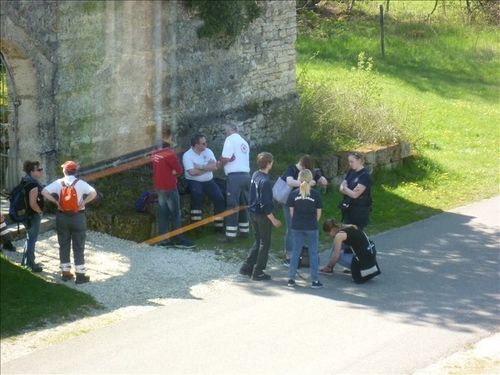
[{"x": 166, "y": 168}]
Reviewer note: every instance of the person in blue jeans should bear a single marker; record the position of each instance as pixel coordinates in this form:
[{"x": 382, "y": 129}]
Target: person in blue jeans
[
  {"x": 35, "y": 200},
  {"x": 291, "y": 176},
  {"x": 166, "y": 168},
  {"x": 305, "y": 209}
]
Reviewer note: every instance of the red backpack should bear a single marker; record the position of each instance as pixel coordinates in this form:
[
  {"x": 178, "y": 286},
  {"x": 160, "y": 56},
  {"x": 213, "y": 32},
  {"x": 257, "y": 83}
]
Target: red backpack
[{"x": 68, "y": 199}]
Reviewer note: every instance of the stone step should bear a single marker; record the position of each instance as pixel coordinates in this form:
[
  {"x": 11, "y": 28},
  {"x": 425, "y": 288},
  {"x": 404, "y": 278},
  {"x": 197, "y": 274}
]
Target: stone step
[{"x": 48, "y": 223}]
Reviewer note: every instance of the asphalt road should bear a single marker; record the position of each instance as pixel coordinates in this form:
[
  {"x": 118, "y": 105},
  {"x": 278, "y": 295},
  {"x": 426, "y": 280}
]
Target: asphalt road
[{"x": 439, "y": 292}]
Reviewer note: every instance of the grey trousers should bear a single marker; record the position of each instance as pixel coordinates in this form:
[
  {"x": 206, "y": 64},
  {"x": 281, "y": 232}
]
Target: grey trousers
[{"x": 71, "y": 230}]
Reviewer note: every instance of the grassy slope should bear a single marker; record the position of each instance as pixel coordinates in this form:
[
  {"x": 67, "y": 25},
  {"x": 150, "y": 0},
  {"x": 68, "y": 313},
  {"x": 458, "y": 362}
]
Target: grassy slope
[{"x": 448, "y": 74}]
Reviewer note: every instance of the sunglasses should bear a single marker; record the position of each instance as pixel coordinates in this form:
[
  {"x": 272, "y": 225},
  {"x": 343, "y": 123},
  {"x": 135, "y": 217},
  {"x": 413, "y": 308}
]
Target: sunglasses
[
  {"x": 39, "y": 169},
  {"x": 203, "y": 144}
]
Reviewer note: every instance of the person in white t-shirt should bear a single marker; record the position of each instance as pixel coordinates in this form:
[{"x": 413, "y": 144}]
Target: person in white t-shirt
[
  {"x": 235, "y": 159},
  {"x": 199, "y": 164},
  {"x": 71, "y": 227}
]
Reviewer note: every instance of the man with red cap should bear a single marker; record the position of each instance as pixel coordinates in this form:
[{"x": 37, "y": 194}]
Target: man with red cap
[{"x": 71, "y": 226}]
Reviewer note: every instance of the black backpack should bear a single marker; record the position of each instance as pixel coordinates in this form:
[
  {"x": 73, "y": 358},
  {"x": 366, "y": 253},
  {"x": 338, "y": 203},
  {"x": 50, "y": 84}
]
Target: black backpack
[{"x": 18, "y": 208}]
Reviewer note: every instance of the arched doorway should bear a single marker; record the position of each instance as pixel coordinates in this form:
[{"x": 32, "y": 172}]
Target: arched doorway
[{"x": 9, "y": 153}]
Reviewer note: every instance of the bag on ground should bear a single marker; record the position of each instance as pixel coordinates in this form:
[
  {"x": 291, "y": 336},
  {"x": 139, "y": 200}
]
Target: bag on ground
[
  {"x": 147, "y": 198},
  {"x": 68, "y": 199},
  {"x": 304, "y": 259},
  {"x": 367, "y": 267}
]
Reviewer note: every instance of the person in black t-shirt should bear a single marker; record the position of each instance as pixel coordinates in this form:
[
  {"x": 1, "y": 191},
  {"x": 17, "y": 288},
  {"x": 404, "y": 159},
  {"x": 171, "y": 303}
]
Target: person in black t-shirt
[
  {"x": 356, "y": 187},
  {"x": 305, "y": 209},
  {"x": 291, "y": 176}
]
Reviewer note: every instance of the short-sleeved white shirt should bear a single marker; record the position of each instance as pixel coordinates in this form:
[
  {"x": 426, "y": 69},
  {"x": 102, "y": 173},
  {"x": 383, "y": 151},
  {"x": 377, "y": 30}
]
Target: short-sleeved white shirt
[
  {"x": 190, "y": 158},
  {"x": 237, "y": 149},
  {"x": 82, "y": 187}
]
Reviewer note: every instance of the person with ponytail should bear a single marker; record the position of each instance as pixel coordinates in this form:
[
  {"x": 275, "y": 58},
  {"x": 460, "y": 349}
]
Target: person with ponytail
[
  {"x": 350, "y": 236},
  {"x": 305, "y": 207}
]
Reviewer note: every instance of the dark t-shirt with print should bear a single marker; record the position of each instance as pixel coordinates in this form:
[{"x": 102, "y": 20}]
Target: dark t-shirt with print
[{"x": 304, "y": 214}]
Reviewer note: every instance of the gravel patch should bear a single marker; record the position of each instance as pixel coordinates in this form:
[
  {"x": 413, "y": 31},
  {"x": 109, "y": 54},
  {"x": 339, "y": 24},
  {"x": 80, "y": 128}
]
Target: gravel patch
[{"x": 128, "y": 279}]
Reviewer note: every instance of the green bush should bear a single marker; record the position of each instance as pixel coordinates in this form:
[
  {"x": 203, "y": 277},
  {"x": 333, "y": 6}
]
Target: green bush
[{"x": 342, "y": 115}]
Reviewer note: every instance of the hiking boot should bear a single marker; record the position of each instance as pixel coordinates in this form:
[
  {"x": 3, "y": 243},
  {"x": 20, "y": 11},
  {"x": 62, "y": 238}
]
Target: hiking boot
[
  {"x": 185, "y": 244},
  {"x": 261, "y": 277},
  {"x": 9, "y": 246},
  {"x": 227, "y": 240},
  {"x": 291, "y": 283},
  {"x": 246, "y": 271},
  {"x": 81, "y": 278},
  {"x": 67, "y": 275},
  {"x": 36, "y": 268},
  {"x": 316, "y": 285}
]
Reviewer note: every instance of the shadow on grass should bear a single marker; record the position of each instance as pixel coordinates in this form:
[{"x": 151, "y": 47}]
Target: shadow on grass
[{"x": 438, "y": 58}]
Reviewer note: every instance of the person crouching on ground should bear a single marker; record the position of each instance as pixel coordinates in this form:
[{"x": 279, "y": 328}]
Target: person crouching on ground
[
  {"x": 350, "y": 236},
  {"x": 261, "y": 216},
  {"x": 305, "y": 206},
  {"x": 338, "y": 255},
  {"x": 71, "y": 227}
]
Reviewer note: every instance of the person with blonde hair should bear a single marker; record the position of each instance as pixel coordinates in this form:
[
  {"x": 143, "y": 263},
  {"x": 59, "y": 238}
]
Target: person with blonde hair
[
  {"x": 291, "y": 177},
  {"x": 305, "y": 207}
]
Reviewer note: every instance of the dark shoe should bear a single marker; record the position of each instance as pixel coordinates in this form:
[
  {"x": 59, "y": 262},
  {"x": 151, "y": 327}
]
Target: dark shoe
[
  {"x": 316, "y": 285},
  {"x": 246, "y": 271},
  {"x": 262, "y": 277},
  {"x": 9, "y": 246},
  {"x": 36, "y": 268},
  {"x": 66, "y": 276},
  {"x": 81, "y": 278},
  {"x": 186, "y": 244},
  {"x": 227, "y": 240},
  {"x": 166, "y": 244},
  {"x": 291, "y": 283}
]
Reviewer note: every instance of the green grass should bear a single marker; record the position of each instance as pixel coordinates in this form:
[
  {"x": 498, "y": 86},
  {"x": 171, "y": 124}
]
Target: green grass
[
  {"x": 446, "y": 72},
  {"x": 28, "y": 301}
]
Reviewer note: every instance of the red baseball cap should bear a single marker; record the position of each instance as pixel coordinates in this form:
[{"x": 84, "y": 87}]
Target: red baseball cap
[{"x": 69, "y": 166}]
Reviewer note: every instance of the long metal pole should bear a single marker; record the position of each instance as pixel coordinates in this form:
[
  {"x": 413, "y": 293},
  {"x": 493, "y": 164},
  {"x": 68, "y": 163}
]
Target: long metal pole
[{"x": 382, "y": 30}]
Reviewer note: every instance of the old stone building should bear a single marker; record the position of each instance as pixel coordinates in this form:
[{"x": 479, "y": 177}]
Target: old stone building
[{"x": 93, "y": 80}]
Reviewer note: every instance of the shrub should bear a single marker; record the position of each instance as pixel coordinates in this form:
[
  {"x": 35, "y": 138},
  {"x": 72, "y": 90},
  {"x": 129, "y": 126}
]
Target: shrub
[{"x": 344, "y": 115}]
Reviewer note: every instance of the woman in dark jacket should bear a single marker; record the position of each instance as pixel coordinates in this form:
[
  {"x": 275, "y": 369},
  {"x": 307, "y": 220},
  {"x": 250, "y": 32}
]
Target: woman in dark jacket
[
  {"x": 35, "y": 200},
  {"x": 357, "y": 189}
]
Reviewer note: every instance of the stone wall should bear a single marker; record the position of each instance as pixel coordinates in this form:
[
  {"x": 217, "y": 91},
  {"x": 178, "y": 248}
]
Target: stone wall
[{"x": 103, "y": 75}]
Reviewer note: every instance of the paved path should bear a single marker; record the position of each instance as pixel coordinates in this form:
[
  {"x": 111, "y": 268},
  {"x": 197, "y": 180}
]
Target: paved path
[{"x": 439, "y": 293}]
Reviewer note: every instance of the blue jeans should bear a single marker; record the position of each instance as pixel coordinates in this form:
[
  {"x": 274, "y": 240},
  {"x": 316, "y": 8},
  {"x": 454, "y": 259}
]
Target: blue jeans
[
  {"x": 32, "y": 226},
  {"x": 345, "y": 259},
  {"x": 288, "y": 231},
  {"x": 169, "y": 213},
  {"x": 312, "y": 237}
]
